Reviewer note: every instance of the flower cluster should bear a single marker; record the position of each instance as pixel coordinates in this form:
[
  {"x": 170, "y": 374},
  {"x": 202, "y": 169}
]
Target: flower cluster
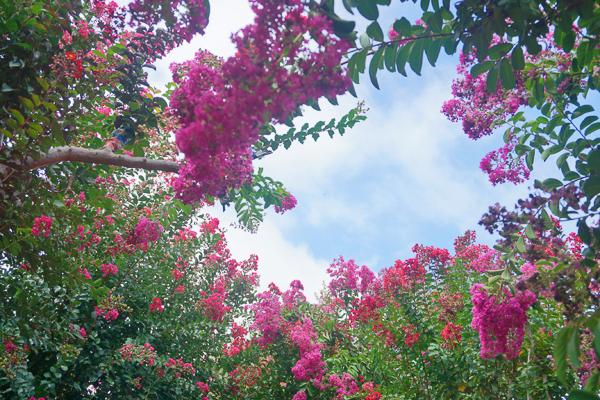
[
  {"x": 239, "y": 344},
  {"x": 294, "y": 296},
  {"x": 41, "y": 224},
  {"x": 310, "y": 365},
  {"x": 147, "y": 231},
  {"x": 501, "y": 166},
  {"x": 412, "y": 336},
  {"x": 404, "y": 275},
  {"x": 451, "y": 336},
  {"x": 450, "y": 304},
  {"x": 213, "y": 305},
  {"x": 267, "y": 316},
  {"x": 145, "y": 355},
  {"x": 500, "y": 320},
  {"x": 287, "y": 203},
  {"x": 346, "y": 384},
  {"x": 180, "y": 367},
  {"x": 156, "y": 305},
  {"x": 108, "y": 269},
  {"x": 222, "y": 109}
]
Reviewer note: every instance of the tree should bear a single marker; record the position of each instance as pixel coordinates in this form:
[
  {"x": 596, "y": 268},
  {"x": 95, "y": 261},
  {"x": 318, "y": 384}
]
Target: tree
[{"x": 103, "y": 276}]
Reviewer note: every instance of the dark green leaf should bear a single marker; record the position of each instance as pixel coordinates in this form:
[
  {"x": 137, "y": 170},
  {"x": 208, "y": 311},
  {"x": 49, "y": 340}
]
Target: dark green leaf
[
  {"x": 374, "y": 31},
  {"x": 491, "y": 83},
  {"x": 480, "y": 68},
  {"x": 516, "y": 58},
  {"x": 560, "y": 353},
  {"x": 507, "y": 77},
  {"x": 374, "y": 66},
  {"x": 368, "y": 9},
  {"x": 591, "y": 186},
  {"x": 581, "y": 395},
  {"x": 390, "y": 57},
  {"x": 415, "y": 59}
]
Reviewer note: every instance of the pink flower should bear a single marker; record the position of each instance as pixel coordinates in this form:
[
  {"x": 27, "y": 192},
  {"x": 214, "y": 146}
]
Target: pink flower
[
  {"x": 108, "y": 269},
  {"x": 156, "y": 305},
  {"x": 500, "y": 320},
  {"x": 287, "y": 203},
  {"x": 180, "y": 289},
  {"x": 147, "y": 231},
  {"x": 176, "y": 274},
  {"x": 40, "y": 224}
]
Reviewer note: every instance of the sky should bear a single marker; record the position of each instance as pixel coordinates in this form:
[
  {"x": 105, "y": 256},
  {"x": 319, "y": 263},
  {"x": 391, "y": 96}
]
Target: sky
[{"x": 404, "y": 176}]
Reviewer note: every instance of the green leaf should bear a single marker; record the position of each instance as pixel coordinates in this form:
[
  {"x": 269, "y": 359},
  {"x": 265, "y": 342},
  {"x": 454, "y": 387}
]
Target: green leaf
[
  {"x": 560, "y": 353},
  {"x": 28, "y": 103},
  {"x": 581, "y": 395},
  {"x": 529, "y": 160},
  {"x": 374, "y": 31},
  {"x": 402, "y": 57},
  {"x": 18, "y": 116},
  {"x": 573, "y": 350},
  {"x": 43, "y": 83},
  {"x": 591, "y": 385},
  {"x": 530, "y": 233},
  {"x": 521, "y": 244},
  {"x": 415, "y": 59},
  {"x": 480, "y": 68},
  {"x": 361, "y": 60},
  {"x": 591, "y": 186},
  {"x": 500, "y": 50},
  {"x": 368, "y": 9},
  {"x": 374, "y": 66},
  {"x": 582, "y": 110},
  {"x": 507, "y": 77},
  {"x": 551, "y": 183},
  {"x": 491, "y": 83},
  {"x": 516, "y": 58},
  {"x": 584, "y": 231},
  {"x": 6, "y": 88},
  {"x": 390, "y": 57},
  {"x": 432, "y": 49},
  {"x": 403, "y": 27}
]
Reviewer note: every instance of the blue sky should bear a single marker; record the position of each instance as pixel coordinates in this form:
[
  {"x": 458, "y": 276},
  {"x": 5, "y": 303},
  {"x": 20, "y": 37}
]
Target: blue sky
[{"x": 405, "y": 176}]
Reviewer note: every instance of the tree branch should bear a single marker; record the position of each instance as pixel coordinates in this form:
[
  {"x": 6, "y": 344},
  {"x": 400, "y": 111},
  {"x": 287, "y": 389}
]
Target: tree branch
[{"x": 98, "y": 156}]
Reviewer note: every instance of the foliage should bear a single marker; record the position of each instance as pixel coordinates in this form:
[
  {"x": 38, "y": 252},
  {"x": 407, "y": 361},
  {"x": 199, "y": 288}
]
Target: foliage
[{"x": 109, "y": 289}]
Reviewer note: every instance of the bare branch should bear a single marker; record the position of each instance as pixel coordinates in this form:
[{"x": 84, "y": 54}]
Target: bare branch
[{"x": 97, "y": 156}]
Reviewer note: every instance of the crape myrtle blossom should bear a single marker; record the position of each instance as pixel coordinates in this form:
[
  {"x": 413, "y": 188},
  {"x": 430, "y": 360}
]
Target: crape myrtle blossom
[
  {"x": 287, "y": 203},
  {"x": 147, "y": 231},
  {"x": 41, "y": 224},
  {"x": 222, "y": 108},
  {"x": 310, "y": 365},
  {"x": 268, "y": 317},
  {"x": 500, "y": 320}
]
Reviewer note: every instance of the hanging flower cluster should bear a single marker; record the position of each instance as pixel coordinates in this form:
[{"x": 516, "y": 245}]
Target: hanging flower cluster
[
  {"x": 500, "y": 320},
  {"x": 286, "y": 58}
]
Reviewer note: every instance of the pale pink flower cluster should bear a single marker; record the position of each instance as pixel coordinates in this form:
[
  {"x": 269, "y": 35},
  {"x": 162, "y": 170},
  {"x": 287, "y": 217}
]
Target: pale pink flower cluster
[
  {"x": 487, "y": 261},
  {"x": 500, "y": 320}
]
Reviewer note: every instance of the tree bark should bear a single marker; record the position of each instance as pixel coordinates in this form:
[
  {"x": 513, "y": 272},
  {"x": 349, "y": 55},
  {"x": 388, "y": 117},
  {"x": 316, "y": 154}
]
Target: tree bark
[{"x": 97, "y": 156}]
